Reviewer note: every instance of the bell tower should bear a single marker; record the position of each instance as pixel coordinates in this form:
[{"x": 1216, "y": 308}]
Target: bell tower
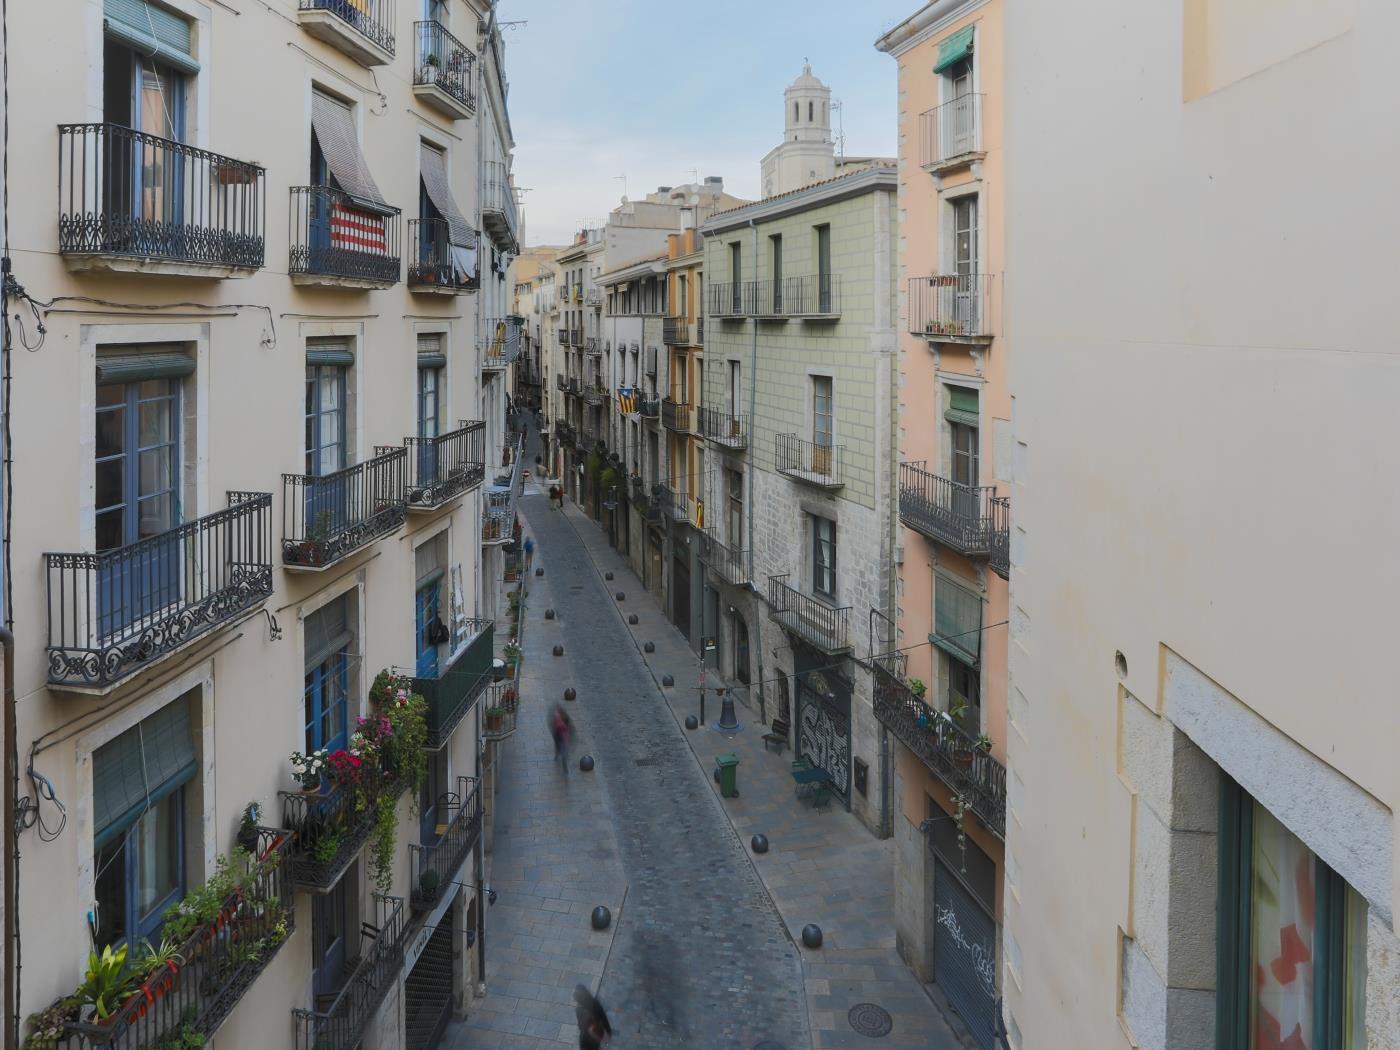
[
  {"x": 806, "y": 154},
  {"x": 807, "y": 109}
]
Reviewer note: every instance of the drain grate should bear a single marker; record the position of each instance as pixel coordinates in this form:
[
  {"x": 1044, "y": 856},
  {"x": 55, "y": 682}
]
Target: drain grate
[
  {"x": 870, "y": 1020},
  {"x": 647, "y": 761}
]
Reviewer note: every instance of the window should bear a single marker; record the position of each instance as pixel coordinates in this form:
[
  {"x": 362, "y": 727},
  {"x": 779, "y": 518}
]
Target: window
[
  {"x": 962, "y": 416},
  {"x": 810, "y": 113},
  {"x": 325, "y": 410},
  {"x": 822, "y": 422},
  {"x": 965, "y": 236},
  {"x": 138, "y": 783},
  {"x": 431, "y": 570},
  {"x": 433, "y": 800},
  {"x": 1291, "y": 939},
  {"x": 824, "y": 556},
  {"x": 682, "y": 299},
  {"x": 735, "y": 392},
  {"x": 965, "y": 695},
  {"x": 796, "y": 113},
  {"x": 824, "y": 280},
  {"x": 741, "y": 649},
  {"x": 957, "y": 619},
  {"x": 429, "y": 387},
  {"x": 775, "y": 249},
  {"x": 735, "y": 277},
  {"x": 329, "y": 647},
  {"x": 735, "y": 485},
  {"x": 330, "y": 927}
]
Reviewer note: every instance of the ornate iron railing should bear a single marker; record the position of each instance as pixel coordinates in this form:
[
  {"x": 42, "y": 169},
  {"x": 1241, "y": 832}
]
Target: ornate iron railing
[
  {"x": 499, "y": 341},
  {"x": 326, "y": 517},
  {"x": 649, "y": 406},
  {"x": 114, "y": 613},
  {"x": 334, "y": 236},
  {"x": 950, "y": 131},
  {"x": 563, "y": 336},
  {"x": 575, "y": 336},
  {"x": 342, "y": 1025},
  {"x": 725, "y": 428},
  {"x": 498, "y": 211},
  {"x": 431, "y": 262},
  {"x": 451, "y": 694},
  {"x": 126, "y": 193},
  {"x": 444, "y": 62},
  {"x": 595, "y": 393},
  {"x": 498, "y": 716},
  {"x": 593, "y": 297},
  {"x": 213, "y": 968},
  {"x": 675, "y": 331},
  {"x": 591, "y": 346},
  {"x": 433, "y": 865},
  {"x": 331, "y": 828},
  {"x": 443, "y": 467},
  {"x": 824, "y": 626},
  {"x": 973, "y": 520},
  {"x": 372, "y": 19},
  {"x": 950, "y": 305},
  {"x": 941, "y": 744},
  {"x": 561, "y": 381},
  {"x": 729, "y": 565},
  {"x": 808, "y": 461},
  {"x": 676, "y": 416}
]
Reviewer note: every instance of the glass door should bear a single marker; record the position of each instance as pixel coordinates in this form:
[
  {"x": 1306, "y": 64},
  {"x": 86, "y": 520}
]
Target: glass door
[
  {"x": 328, "y": 500},
  {"x": 965, "y": 265}
]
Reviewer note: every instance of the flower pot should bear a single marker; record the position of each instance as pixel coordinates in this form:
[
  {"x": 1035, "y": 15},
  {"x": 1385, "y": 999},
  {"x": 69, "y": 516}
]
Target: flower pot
[
  {"x": 962, "y": 759},
  {"x": 248, "y": 839}
]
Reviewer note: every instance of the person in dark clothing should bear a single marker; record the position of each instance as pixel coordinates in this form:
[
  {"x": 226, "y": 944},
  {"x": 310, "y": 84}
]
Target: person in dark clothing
[
  {"x": 593, "y": 1026},
  {"x": 561, "y": 728}
]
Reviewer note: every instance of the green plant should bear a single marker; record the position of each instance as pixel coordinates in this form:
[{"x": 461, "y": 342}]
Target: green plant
[
  {"x": 382, "y": 839},
  {"x": 164, "y": 956},
  {"x": 233, "y": 874},
  {"x": 431, "y": 60},
  {"x": 47, "y": 1026},
  {"x": 917, "y": 687},
  {"x": 186, "y": 1037},
  {"x": 320, "y": 528},
  {"x": 325, "y": 848},
  {"x": 957, "y": 707},
  {"x": 107, "y": 982},
  {"x": 983, "y": 742}
]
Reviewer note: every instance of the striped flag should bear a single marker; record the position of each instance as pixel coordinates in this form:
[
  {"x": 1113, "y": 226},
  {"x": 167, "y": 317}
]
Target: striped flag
[
  {"x": 626, "y": 399},
  {"x": 357, "y": 231}
]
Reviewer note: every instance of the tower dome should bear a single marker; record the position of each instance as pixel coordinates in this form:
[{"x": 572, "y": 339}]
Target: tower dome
[{"x": 807, "y": 109}]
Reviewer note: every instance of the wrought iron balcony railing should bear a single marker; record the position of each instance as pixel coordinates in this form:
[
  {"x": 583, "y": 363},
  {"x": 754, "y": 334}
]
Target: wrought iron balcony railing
[
  {"x": 563, "y": 337},
  {"x": 498, "y": 509},
  {"x": 810, "y": 462},
  {"x": 940, "y": 743},
  {"x": 114, "y": 613},
  {"x": 372, "y": 19},
  {"x": 824, "y": 626},
  {"x": 431, "y": 260},
  {"x": 675, "y": 331},
  {"x": 332, "y": 826},
  {"x": 677, "y": 416},
  {"x": 726, "y": 299},
  {"x": 127, "y": 194},
  {"x": 591, "y": 346},
  {"x": 433, "y": 866},
  {"x": 973, "y": 520},
  {"x": 444, "y": 63},
  {"x": 729, "y": 565},
  {"x": 950, "y": 306},
  {"x": 441, "y": 468},
  {"x": 455, "y": 688},
  {"x": 329, "y": 516},
  {"x": 344, "y": 1023},
  {"x": 593, "y": 297},
  {"x": 699, "y": 331},
  {"x": 333, "y": 236},
  {"x": 575, "y": 336},
  {"x": 951, "y": 132},
  {"x": 724, "y": 427},
  {"x": 575, "y": 385},
  {"x": 561, "y": 381},
  {"x": 595, "y": 393},
  {"x": 498, "y": 717},
  {"x": 498, "y": 210},
  {"x": 499, "y": 341},
  {"x": 214, "y": 966}
]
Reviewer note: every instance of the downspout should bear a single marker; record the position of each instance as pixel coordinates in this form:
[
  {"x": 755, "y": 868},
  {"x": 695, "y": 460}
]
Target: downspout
[
  {"x": 748, "y": 474},
  {"x": 11, "y": 864}
]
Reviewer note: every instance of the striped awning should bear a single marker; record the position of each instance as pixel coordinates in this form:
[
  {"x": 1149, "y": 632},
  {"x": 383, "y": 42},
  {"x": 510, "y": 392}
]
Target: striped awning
[
  {"x": 335, "y": 133},
  {"x": 433, "y": 167}
]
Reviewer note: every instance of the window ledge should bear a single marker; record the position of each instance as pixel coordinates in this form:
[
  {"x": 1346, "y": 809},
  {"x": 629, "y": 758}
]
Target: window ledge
[
  {"x": 440, "y": 100},
  {"x": 325, "y": 280},
  {"x": 153, "y": 267},
  {"x": 335, "y": 31}
]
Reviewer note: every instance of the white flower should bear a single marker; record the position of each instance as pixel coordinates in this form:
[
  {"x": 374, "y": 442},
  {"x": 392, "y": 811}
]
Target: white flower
[{"x": 298, "y": 768}]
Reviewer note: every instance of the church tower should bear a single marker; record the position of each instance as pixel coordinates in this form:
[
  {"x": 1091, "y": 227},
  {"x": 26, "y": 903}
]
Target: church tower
[{"x": 807, "y": 153}]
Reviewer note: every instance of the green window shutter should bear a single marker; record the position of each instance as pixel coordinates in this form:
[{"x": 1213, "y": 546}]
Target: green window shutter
[
  {"x": 140, "y": 768},
  {"x": 954, "y": 49},
  {"x": 957, "y": 620},
  {"x": 133, "y": 368},
  {"x": 328, "y": 631},
  {"x": 438, "y": 360},
  {"x": 962, "y": 406},
  {"x": 152, "y": 31},
  {"x": 329, "y": 352},
  {"x": 1233, "y": 925}
]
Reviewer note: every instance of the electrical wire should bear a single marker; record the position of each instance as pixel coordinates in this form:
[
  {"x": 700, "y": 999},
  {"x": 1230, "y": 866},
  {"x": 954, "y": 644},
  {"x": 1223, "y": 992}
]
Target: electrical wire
[{"x": 269, "y": 339}]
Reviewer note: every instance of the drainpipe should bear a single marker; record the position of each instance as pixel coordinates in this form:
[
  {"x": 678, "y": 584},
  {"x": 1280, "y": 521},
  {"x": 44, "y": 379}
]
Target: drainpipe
[
  {"x": 11, "y": 839},
  {"x": 748, "y": 474}
]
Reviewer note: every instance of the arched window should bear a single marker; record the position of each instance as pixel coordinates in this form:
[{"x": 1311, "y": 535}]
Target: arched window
[
  {"x": 825, "y": 119},
  {"x": 810, "y": 108},
  {"x": 796, "y": 112}
]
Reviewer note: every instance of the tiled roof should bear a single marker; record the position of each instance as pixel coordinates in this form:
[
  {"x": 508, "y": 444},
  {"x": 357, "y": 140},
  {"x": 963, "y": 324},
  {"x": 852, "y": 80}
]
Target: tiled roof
[{"x": 801, "y": 189}]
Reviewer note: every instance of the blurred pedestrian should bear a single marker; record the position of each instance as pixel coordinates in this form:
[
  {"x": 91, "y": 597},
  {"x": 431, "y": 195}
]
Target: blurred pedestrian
[
  {"x": 529, "y": 552},
  {"x": 593, "y": 1026},
  {"x": 562, "y": 729}
]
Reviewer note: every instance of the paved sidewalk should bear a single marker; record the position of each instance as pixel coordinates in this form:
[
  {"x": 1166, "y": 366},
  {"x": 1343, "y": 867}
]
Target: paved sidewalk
[{"x": 822, "y": 867}]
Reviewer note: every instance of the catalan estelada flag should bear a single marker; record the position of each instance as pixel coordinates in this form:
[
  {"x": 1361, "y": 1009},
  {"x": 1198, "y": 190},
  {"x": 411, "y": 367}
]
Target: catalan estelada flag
[{"x": 626, "y": 399}]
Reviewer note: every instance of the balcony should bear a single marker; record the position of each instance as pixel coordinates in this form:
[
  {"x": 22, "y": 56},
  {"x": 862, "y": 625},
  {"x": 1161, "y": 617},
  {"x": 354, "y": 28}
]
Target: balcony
[
  {"x": 561, "y": 382},
  {"x": 112, "y": 614},
  {"x": 950, "y": 135},
  {"x": 434, "y": 866},
  {"x": 680, "y": 507},
  {"x": 563, "y": 337},
  {"x": 451, "y": 693},
  {"x": 442, "y": 468},
  {"x": 575, "y": 336},
  {"x": 677, "y": 416},
  {"x": 136, "y": 203},
  {"x": 809, "y": 462},
  {"x": 327, "y": 517},
  {"x": 951, "y": 307},
  {"x": 499, "y": 343},
  {"x": 972, "y": 520},
  {"x": 649, "y": 406},
  {"x": 217, "y": 964},
  {"x": 814, "y": 621},
  {"x": 362, "y": 29},
  {"x": 595, "y": 393},
  {"x": 726, "y": 300},
  {"x": 575, "y": 386},
  {"x": 331, "y": 828},
  {"x": 675, "y": 331},
  {"x": 728, "y": 564},
  {"x": 344, "y": 1022},
  {"x": 498, "y": 718},
  {"x": 498, "y": 509},
  {"x": 699, "y": 331},
  {"x": 443, "y": 71},
  {"x": 498, "y": 210},
  {"x": 593, "y": 297},
  {"x": 725, "y": 428},
  {"x": 432, "y": 264},
  {"x": 592, "y": 347},
  {"x": 341, "y": 244},
  {"x": 948, "y": 751}
]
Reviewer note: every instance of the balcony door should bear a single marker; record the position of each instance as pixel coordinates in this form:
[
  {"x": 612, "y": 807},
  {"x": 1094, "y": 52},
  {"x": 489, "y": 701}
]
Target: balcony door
[
  {"x": 328, "y": 493},
  {"x": 964, "y": 305},
  {"x": 429, "y": 411},
  {"x": 138, "y": 455},
  {"x": 959, "y": 129},
  {"x": 330, "y": 923},
  {"x": 823, "y": 425},
  {"x": 142, "y": 179}
]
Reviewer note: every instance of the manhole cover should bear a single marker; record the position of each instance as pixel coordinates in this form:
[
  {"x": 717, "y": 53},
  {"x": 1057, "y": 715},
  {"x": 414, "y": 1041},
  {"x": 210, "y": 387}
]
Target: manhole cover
[{"x": 869, "y": 1019}]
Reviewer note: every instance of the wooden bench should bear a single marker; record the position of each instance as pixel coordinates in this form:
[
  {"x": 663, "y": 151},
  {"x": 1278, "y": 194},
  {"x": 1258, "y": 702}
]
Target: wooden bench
[{"x": 778, "y": 736}]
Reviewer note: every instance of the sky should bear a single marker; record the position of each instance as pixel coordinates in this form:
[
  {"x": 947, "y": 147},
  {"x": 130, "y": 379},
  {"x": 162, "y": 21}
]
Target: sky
[{"x": 662, "y": 91}]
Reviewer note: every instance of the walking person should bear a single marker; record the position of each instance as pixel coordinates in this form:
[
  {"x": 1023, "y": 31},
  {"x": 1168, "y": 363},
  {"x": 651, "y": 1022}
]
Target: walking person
[
  {"x": 529, "y": 552},
  {"x": 593, "y": 1026},
  {"x": 561, "y": 728}
]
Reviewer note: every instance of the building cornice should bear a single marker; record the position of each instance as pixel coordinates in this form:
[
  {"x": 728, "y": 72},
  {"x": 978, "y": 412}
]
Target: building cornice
[
  {"x": 918, "y": 27},
  {"x": 645, "y": 268},
  {"x": 823, "y": 193}
]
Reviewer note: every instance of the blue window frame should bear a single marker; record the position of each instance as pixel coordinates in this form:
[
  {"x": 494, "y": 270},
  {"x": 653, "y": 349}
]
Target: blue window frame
[
  {"x": 425, "y": 603},
  {"x": 429, "y": 395},
  {"x": 330, "y": 920},
  {"x": 141, "y": 873},
  {"x": 327, "y": 702},
  {"x": 435, "y": 803},
  {"x": 327, "y": 503}
]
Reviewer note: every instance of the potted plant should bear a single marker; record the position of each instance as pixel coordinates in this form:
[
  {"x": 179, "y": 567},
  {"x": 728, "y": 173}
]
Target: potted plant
[
  {"x": 307, "y": 770},
  {"x": 48, "y": 1026},
  {"x": 107, "y": 984},
  {"x": 508, "y": 698},
  {"x": 248, "y": 826},
  {"x": 493, "y": 718},
  {"x": 983, "y": 743},
  {"x": 917, "y": 687},
  {"x": 160, "y": 964},
  {"x": 428, "y": 883},
  {"x": 512, "y": 651}
]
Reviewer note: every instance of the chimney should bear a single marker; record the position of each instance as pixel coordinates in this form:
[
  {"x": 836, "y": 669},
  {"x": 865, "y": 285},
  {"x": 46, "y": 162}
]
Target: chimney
[
  {"x": 717, "y": 181},
  {"x": 663, "y": 189}
]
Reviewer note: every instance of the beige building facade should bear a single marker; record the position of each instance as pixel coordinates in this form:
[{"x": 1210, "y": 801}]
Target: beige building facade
[
  {"x": 1201, "y": 807},
  {"x": 250, "y": 467}
]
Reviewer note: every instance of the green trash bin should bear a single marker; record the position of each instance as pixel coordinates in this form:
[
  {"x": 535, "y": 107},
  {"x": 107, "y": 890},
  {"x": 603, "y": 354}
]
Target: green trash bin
[{"x": 727, "y": 773}]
